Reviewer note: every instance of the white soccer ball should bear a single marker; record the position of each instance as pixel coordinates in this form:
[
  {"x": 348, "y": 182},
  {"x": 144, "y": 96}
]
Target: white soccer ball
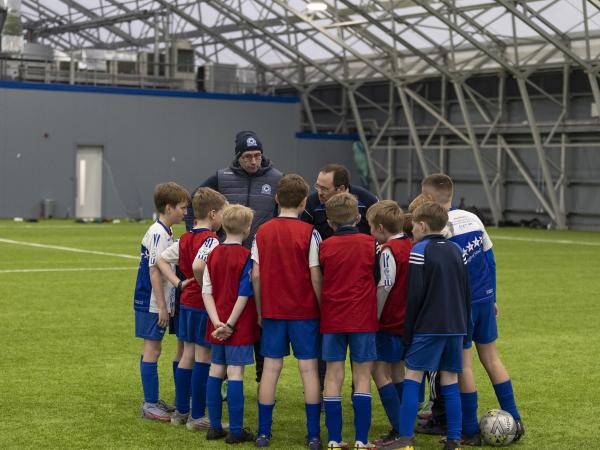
[{"x": 498, "y": 428}]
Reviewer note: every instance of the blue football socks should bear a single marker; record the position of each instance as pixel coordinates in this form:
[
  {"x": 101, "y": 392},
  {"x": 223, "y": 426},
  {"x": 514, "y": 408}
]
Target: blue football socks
[
  {"x": 199, "y": 378},
  {"x": 313, "y": 420},
  {"x": 361, "y": 403},
  {"x": 468, "y": 401},
  {"x": 149, "y": 373},
  {"x": 235, "y": 405},
  {"x": 391, "y": 404},
  {"x": 183, "y": 379},
  {"x": 506, "y": 398},
  {"x": 214, "y": 401},
  {"x": 451, "y": 397},
  {"x": 409, "y": 407},
  {"x": 333, "y": 417},
  {"x": 265, "y": 418},
  {"x": 399, "y": 387}
]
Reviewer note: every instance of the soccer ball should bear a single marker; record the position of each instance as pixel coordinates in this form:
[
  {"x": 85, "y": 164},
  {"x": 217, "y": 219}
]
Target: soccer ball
[{"x": 498, "y": 428}]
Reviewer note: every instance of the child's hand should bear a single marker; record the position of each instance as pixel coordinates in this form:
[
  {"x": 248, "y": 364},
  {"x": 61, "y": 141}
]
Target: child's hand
[
  {"x": 222, "y": 333},
  {"x": 163, "y": 316},
  {"x": 496, "y": 311},
  {"x": 218, "y": 325},
  {"x": 184, "y": 283}
]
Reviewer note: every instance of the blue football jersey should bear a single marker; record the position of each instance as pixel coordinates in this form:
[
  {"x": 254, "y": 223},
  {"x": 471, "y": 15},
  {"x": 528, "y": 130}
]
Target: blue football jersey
[
  {"x": 466, "y": 230},
  {"x": 156, "y": 240}
]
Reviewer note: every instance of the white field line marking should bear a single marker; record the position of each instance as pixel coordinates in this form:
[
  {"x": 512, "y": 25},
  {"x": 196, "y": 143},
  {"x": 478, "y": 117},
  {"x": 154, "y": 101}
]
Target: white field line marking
[
  {"x": 48, "y": 227},
  {"x": 83, "y": 227},
  {"x": 68, "y": 269},
  {"x": 67, "y": 249},
  {"x": 545, "y": 241}
]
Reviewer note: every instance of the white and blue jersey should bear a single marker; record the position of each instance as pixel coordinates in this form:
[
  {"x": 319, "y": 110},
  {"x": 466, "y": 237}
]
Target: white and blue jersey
[
  {"x": 466, "y": 230},
  {"x": 156, "y": 240}
]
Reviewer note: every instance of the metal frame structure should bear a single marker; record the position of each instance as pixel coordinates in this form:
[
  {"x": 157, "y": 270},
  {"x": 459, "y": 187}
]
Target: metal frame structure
[{"x": 342, "y": 52}]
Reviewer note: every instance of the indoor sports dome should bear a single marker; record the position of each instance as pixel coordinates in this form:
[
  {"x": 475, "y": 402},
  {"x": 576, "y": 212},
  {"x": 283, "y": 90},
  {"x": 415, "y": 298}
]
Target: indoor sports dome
[{"x": 501, "y": 95}]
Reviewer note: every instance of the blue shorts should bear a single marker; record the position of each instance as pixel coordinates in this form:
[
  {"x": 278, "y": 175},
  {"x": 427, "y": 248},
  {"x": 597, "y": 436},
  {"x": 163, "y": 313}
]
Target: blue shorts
[
  {"x": 146, "y": 326},
  {"x": 432, "y": 353},
  {"x": 362, "y": 345},
  {"x": 192, "y": 326},
  {"x": 233, "y": 355},
  {"x": 278, "y": 334},
  {"x": 390, "y": 348},
  {"x": 483, "y": 324}
]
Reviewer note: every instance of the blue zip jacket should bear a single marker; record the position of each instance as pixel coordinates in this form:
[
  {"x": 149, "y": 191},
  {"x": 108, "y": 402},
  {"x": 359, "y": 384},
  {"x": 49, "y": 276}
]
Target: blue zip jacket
[
  {"x": 439, "y": 296},
  {"x": 315, "y": 214}
]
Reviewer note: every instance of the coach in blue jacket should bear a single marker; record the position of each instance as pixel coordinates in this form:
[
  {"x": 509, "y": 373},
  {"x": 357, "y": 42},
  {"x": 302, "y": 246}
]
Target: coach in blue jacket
[{"x": 333, "y": 179}]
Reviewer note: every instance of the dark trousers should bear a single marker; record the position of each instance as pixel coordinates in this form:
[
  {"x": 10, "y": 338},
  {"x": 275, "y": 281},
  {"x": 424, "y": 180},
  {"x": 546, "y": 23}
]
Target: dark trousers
[
  {"x": 438, "y": 409},
  {"x": 260, "y": 361}
]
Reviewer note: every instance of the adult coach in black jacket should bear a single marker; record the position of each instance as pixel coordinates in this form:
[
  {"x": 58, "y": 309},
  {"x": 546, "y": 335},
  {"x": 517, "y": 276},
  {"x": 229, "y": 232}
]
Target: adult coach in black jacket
[
  {"x": 333, "y": 179},
  {"x": 250, "y": 180}
]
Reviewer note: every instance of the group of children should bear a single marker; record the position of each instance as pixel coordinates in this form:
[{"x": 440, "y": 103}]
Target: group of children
[{"x": 407, "y": 299}]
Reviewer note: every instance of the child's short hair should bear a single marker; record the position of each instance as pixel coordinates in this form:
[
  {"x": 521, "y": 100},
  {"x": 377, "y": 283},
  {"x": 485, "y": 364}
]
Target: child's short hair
[
  {"x": 439, "y": 186},
  {"x": 291, "y": 190},
  {"x": 342, "y": 209},
  {"x": 206, "y": 200},
  {"x": 418, "y": 201},
  {"x": 169, "y": 193},
  {"x": 407, "y": 225},
  {"x": 237, "y": 219},
  {"x": 388, "y": 214},
  {"x": 433, "y": 214}
]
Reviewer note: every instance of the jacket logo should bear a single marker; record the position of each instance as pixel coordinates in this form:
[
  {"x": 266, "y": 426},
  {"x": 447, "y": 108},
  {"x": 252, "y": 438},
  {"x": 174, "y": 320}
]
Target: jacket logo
[
  {"x": 266, "y": 189},
  {"x": 251, "y": 142}
]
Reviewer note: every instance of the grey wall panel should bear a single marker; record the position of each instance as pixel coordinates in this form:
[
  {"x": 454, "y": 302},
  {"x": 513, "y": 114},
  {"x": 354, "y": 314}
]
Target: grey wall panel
[
  {"x": 584, "y": 200},
  {"x": 584, "y": 163},
  {"x": 146, "y": 140}
]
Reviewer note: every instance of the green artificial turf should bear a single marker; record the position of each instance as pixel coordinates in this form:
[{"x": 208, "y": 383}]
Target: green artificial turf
[{"x": 69, "y": 366}]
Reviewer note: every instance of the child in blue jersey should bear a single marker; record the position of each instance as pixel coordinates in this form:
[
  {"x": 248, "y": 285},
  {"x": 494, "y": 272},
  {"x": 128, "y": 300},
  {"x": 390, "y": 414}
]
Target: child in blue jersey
[
  {"x": 436, "y": 321},
  {"x": 466, "y": 230},
  {"x": 154, "y": 297}
]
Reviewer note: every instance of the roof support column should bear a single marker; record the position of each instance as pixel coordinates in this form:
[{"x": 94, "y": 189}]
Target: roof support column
[
  {"x": 364, "y": 141},
  {"x": 477, "y": 152},
  {"x": 559, "y": 216},
  {"x": 406, "y": 107}
]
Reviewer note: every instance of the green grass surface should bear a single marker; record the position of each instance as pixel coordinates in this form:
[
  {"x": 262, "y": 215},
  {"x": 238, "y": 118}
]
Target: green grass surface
[{"x": 69, "y": 373}]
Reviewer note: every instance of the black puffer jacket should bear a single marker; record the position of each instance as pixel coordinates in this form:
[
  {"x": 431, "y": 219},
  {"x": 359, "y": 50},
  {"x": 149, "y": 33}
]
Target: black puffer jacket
[{"x": 257, "y": 191}]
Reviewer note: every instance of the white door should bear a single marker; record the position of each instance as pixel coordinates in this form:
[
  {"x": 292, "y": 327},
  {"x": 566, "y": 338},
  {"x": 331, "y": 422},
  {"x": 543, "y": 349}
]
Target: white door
[{"x": 88, "y": 197}]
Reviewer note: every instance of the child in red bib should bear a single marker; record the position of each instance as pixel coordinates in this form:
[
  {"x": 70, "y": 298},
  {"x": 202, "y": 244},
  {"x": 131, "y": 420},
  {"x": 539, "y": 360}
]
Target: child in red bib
[
  {"x": 233, "y": 327},
  {"x": 287, "y": 283},
  {"x": 190, "y": 251},
  {"x": 348, "y": 317},
  {"x": 386, "y": 222}
]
